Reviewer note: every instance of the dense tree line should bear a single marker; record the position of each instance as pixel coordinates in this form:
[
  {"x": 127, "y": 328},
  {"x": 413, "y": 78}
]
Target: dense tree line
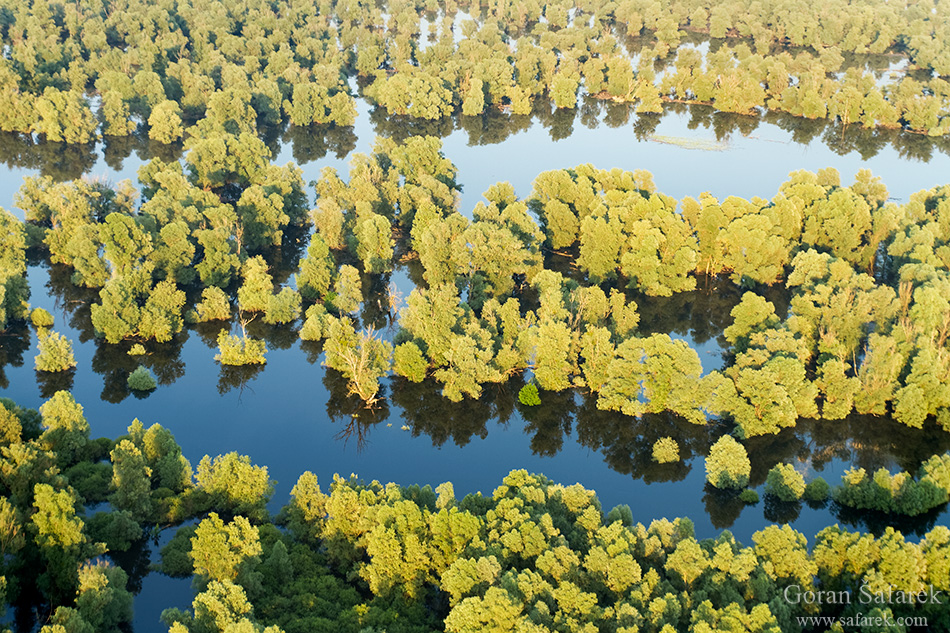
[
  {"x": 533, "y": 555},
  {"x": 72, "y": 74},
  {"x": 51, "y": 471},
  {"x": 865, "y": 330}
]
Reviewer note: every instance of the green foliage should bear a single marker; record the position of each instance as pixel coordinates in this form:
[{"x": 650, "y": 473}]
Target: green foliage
[
  {"x": 56, "y": 352},
  {"x": 258, "y": 286},
  {"x": 214, "y": 306},
  {"x": 141, "y": 379},
  {"x": 430, "y": 316},
  {"x": 11, "y": 430},
  {"x": 164, "y": 124},
  {"x": 553, "y": 360},
  {"x": 91, "y": 481},
  {"x": 14, "y": 291},
  {"x": 131, "y": 480},
  {"x": 897, "y": 494},
  {"x": 41, "y": 318},
  {"x": 374, "y": 243},
  {"x": 409, "y": 362},
  {"x": 64, "y": 116},
  {"x": 55, "y": 520},
  {"x": 240, "y": 350},
  {"x": 316, "y": 270},
  {"x": 306, "y": 513},
  {"x": 348, "y": 289},
  {"x": 727, "y": 465},
  {"x": 415, "y": 94},
  {"x": 221, "y": 602},
  {"x": 226, "y": 552},
  {"x": 361, "y": 357},
  {"x": 785, "y": 483},
  {"x": 65, "y": 620},
  {"x": 753, "y": 314},
  {"x": 65, "y": 429},
  {"x": 666, "y": 451},
  {"x": 749, "y": 497},
  {"x": 131, "y": 307},
  {"x": 103, "y": 600},
  {"x": 118, "y": 530},
  {"x": 850, "y": 342},
  {"x": 621, "y": 513},
  {"x": 283, "y": 307},
  {"x": 651, "y": 375},
  {"x": 314, "y": 325},
  {"x": 817, "y": 491},
  {"x": 235, "y": 485},
  {"x": 528, "y": 395},
  {"x": 176, "y": 558}
]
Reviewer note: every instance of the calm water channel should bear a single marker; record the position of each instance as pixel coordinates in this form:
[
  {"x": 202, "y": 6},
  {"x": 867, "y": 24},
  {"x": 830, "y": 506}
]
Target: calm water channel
[{"x": 293, "y": 416}]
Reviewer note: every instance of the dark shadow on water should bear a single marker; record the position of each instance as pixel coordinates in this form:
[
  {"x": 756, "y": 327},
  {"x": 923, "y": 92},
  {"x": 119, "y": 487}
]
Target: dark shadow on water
[
  {"x": 426, "y": 412},
  {"x": 74, "y": 301},
  {"x": 493, "y": 126},
  {"x": 135, "y": 562},
  {"x": 50, "y": 382},
  {"x": 765, "y": 451},
  {"x": 116, "y": 149},
  {"x": 781, "y": 512},
  {"x": 877, "y": 522},
  {"x": 313, "y": 351},
  {"x": 60, "y": 161},
  {"x": 549, "y": 422},
  {"x": 13, "y": 345},
  {"x": 208, "y": 332},
  {"x": 356, "y": 418},
  {"x": 276, "y": 336},
  {"x": 870, "y": 442},
  {"x": 114, "y": 364},
  {"x": 402, "y": 127},
  {"x": 317, "y": 141},
  {"x": 237, "y": 377},
  {"x": 627, "y": 443},
  {"x": 722, "y": 506}
]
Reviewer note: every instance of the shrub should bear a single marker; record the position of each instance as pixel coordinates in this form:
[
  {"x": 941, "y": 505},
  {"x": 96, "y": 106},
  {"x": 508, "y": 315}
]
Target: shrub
[
  {"x": 817, "y": 491},
  {"x": 785, "y": 483},
  {"x": 283, "y": 307},
  {"x": 409, "y": 362},
  {"x": 90, "y": 480},
  {"x": 240, "y": 350},
  {"x": 176, "y": 555},
  {"x": 41, "y": 318},
  {"x": 214, "y": 306},
  {"x": 361, "y": 357},
  {"x": 118, "y": 530},
  {"x": 727, "y": 465},
  {"x": 528, "y": 396},
  {"x": 236, "y": 485},
  {"x": 899, "y": 493},
  {"x": 666, "y": 451},
  {"x": 56, "y": 353},
  {"x": 749, "y": 497},
  {"x": 141, "y": 379},
  {"x": 314, "y": 326},
  {"x": 621, "y": 513}
]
